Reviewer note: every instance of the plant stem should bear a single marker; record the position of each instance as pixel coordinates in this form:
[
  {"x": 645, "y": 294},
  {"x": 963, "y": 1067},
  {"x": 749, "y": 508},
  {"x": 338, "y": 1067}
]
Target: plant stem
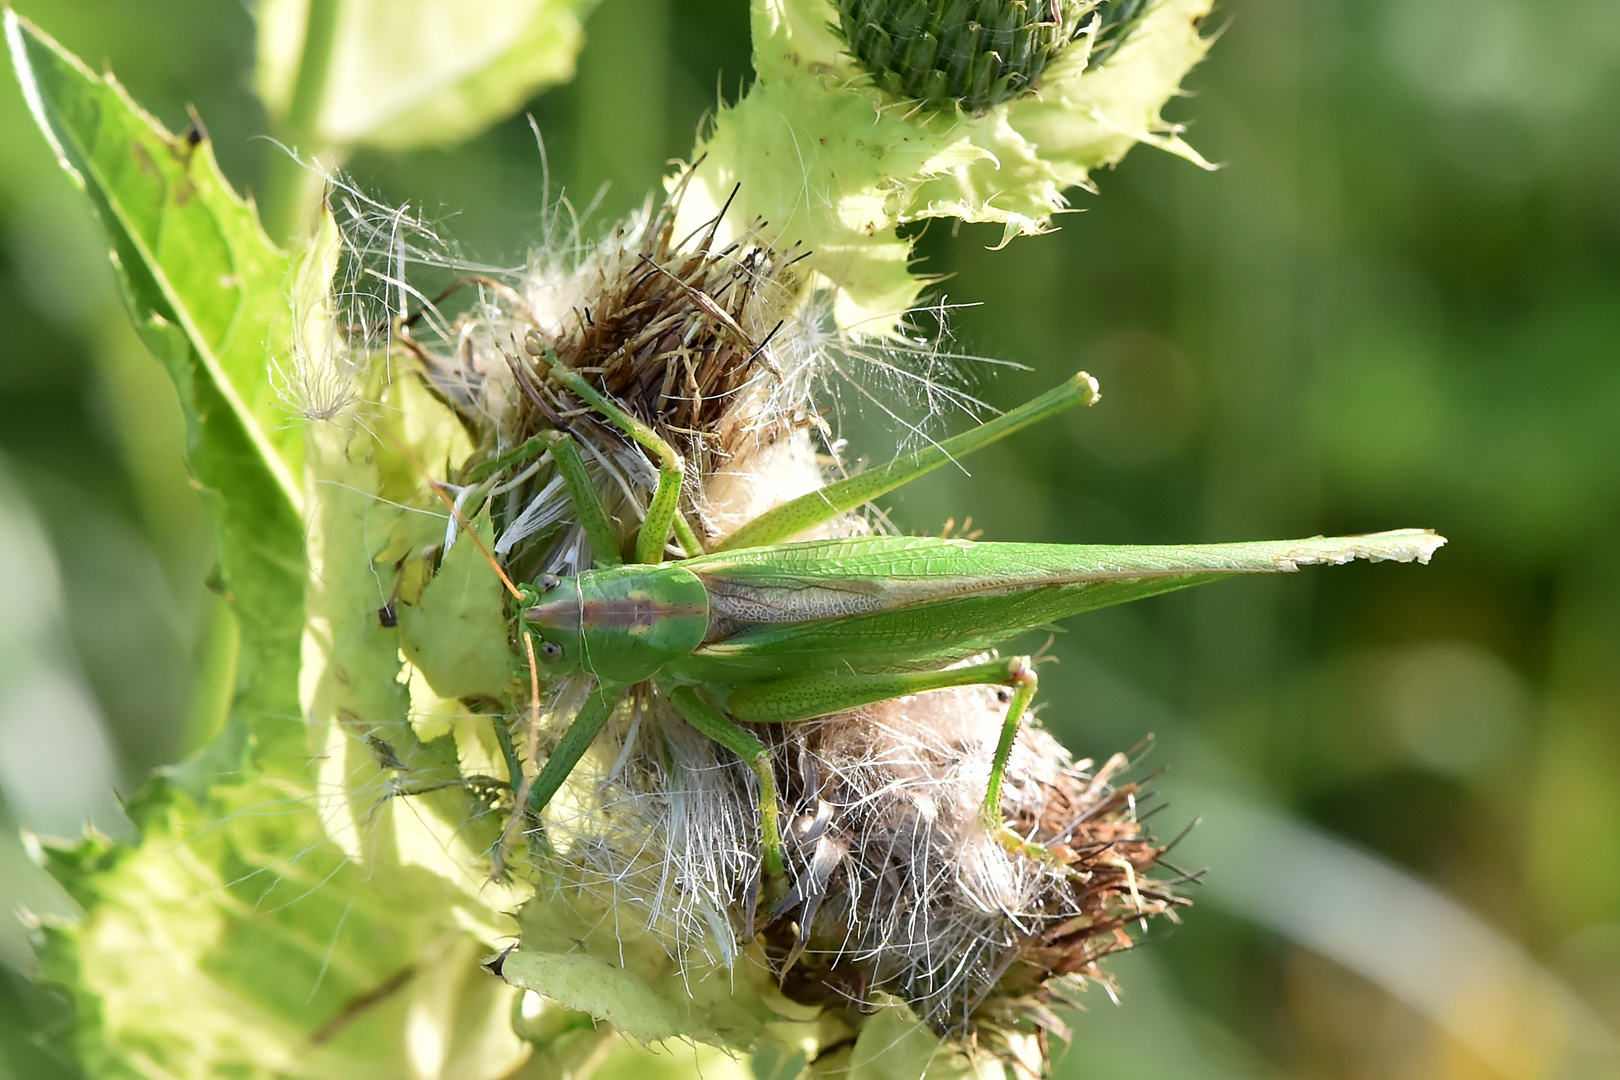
[{"x": 291, "y": 187}]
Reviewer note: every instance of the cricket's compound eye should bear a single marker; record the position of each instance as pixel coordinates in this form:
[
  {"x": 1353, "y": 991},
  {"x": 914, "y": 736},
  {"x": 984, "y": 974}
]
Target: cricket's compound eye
[
  {"x": 551, "y": 650},
  {"x": 548, "y": 582}
]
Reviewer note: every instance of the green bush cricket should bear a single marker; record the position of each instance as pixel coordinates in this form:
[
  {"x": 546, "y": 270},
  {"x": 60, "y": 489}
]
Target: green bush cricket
[{"x": 759, "y": 631}]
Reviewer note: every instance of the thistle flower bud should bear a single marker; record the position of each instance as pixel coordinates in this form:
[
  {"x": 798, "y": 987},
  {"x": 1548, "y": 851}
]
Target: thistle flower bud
[
  {"x": 970, "y": 54},
  {"x": 1020, "y": 101}
]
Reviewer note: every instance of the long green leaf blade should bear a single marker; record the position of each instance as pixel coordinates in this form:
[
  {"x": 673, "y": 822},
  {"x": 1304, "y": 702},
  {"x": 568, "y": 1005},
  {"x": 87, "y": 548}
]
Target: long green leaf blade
[
  {"x": 205, "y": 290},
  {"x": 188, "y": 251},
  {"x": 810, "y": 510}
]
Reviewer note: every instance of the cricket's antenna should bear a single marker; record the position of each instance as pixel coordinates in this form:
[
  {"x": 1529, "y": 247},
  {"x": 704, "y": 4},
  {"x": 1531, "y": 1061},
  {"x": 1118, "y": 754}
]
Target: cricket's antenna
[
  {"x": 520, "y": 796},
  {"x": 455, "y": 511}
]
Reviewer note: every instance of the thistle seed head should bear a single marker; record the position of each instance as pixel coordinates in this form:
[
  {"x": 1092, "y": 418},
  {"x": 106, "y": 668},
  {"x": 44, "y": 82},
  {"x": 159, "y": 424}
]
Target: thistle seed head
[
  {"x": 696, "y": 342},
  {"x": 899, "y": 889},
  {"x": 895, "y": 888}
]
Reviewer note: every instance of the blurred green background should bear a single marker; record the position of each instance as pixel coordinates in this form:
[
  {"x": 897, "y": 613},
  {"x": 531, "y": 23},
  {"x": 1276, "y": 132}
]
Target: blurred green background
[{"x": 1398, "y": 303}]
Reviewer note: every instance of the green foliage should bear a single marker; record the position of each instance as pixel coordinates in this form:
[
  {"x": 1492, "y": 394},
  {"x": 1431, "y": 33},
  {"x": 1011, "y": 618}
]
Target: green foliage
[
  {"x": 253, "y": 908},
  {"x": 206, "y": 290},
  {"x": 239, "y": 937},
  {"x": 865, "y": 163},
  {"x": 629, "y": 980},
  {"x": 191, "y": 258},
  {"x": 1398, "y": 302},
  {"x": 408, "y": 74},
  {"x": 454, "y": 632}
]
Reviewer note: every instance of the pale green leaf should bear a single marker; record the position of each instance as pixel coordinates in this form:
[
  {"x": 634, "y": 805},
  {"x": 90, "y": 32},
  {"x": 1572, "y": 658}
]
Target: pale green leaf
[
  {"x": 303, "y": 920},
  {"x": 188, "y": 251},
  {"x": 258, "y": 930},
  {"x": 577, "y": 953},
  {"x": 404, "y": 73},
  {"x": 240, "y": 940},
  {"x": 205, "y": 290},
  {"x": 456, "y": 632},
  {"x": 627, "y": 979},
  {"x": 1093, "y": 117},
  {"x": 895, "y": 1045}
]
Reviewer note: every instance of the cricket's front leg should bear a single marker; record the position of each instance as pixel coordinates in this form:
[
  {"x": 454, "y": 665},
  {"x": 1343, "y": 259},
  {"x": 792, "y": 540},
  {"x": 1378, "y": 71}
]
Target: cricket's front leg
[
  {"x": 587, "y": 501},
  {"x": 533, "y": 791},
  {"x": 663, "y": 512},
  {"x": 587, "y": 724}
]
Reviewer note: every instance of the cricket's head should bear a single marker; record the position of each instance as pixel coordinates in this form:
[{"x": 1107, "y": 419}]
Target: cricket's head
[{"x": 556, "y": 618}]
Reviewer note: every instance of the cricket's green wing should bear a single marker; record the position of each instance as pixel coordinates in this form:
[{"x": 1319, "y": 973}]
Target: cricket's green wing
[{"x": 896, "y": 603}]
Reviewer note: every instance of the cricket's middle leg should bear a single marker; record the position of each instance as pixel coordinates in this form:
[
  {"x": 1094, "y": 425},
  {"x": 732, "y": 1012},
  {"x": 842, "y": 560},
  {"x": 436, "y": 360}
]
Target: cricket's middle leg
[
  {"x": 717, "y": 726},
  {"x": 803, "y": 697}
]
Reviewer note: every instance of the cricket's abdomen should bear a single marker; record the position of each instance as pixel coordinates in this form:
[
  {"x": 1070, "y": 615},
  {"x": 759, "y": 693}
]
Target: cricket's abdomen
[
  {"x": 635, "y": 619},
  {"x": 892, "y": 603}
]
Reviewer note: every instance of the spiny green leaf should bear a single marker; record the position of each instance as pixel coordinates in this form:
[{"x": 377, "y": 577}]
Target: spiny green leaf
[
  {"x": 629, "y": 979},
  {"x": 240, "y": 940},
  {"x": 895, "y": 1045},
  {"x": 830, "y": 161},
  {"x": 300, "y": 920}
]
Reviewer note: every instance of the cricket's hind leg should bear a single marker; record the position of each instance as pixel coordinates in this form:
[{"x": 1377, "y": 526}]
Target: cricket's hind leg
[{"x": 1021, "y": 680}]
